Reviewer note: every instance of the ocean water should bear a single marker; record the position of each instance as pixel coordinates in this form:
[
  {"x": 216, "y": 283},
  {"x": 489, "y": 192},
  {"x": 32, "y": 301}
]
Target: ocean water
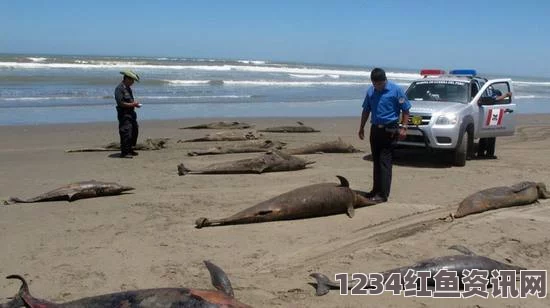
[{"x": 39, "y": 89}]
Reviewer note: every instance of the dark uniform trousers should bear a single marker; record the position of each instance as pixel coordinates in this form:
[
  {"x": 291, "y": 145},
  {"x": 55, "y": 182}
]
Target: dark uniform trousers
[
  {"x": 127, "y": 128},
  {"x": 382, "y": 141},
  {"x": 486, "y": 147}
]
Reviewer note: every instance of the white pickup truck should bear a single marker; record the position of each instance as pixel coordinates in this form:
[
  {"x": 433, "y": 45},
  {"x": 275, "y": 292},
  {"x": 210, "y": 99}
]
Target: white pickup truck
[{"x": 449, "y": 111}]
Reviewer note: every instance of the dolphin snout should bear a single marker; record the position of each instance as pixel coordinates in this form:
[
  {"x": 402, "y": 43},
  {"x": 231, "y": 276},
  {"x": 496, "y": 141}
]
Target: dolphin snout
[{"x": 127, "y": 188}]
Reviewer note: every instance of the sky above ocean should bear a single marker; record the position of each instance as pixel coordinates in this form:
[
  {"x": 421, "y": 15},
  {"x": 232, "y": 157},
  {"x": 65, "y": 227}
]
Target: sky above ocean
[{"x": 497, "y": 37}]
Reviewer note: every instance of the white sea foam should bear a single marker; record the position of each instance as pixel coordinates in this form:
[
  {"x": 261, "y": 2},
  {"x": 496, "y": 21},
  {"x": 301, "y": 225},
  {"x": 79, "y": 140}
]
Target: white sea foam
[
  {"x": 242, "y": 68},
  {"x": 35, "y": 98},
  {"x": 195, "y": 97},
  {"x": 251, "y": 62},
  {"x": 265, "y": 83},
  {"x": 334, "y": 76},
  {"x": 272, "y": 83},
  {"x": 531, "y": 83},
  {"x": 524, "y": 96},
  {"x": 37, "y": 59},
  {"x": 144, "y": 97}
]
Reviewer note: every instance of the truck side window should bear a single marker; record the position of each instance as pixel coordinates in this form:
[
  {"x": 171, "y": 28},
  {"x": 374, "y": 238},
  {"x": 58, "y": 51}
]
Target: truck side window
[
  {"x": 497, "y": 90},
  {"x": 474, "y": 89}
]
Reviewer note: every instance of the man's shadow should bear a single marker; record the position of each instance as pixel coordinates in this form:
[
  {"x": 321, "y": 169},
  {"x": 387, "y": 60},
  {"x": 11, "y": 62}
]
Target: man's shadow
[{"x": 114, "y": 155}]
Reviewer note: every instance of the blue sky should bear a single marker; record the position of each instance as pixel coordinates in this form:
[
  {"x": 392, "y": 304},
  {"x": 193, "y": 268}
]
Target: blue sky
[{"x": 501, "y": 37}]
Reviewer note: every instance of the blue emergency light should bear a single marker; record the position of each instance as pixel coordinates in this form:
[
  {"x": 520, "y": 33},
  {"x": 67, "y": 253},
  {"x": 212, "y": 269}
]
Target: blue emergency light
[{"x": 467, "y": 72}]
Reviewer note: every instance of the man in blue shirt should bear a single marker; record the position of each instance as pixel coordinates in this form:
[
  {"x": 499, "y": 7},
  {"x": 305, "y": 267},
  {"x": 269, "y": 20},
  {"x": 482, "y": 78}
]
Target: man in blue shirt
[
  {"x": 385, "y": 100},
  {"x": 486, "y": 146}
]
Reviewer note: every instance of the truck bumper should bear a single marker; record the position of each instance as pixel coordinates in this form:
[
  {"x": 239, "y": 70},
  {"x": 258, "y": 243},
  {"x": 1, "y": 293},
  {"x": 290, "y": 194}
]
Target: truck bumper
[{"x": 437, "y": 138}]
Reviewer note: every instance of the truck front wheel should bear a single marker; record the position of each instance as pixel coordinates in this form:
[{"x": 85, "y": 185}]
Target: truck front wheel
[{"x": 461, "y": 152}]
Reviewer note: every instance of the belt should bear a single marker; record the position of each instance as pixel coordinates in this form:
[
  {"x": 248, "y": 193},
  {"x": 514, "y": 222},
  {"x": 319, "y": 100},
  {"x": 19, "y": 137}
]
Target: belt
[{"x": 385, "y": 125}]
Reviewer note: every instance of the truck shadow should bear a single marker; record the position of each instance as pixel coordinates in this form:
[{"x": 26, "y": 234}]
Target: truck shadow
[{"x": 419, "y": 158}]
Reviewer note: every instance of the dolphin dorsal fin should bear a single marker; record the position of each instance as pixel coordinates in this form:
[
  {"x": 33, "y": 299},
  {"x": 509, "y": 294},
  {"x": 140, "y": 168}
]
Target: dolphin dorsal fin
[
  {"x": 24, "y": 295},
  {"x": 219, "y": 279},
  {"x": 343, "y": 181}
]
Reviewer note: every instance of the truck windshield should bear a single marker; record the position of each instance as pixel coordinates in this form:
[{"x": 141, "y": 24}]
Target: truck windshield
[{"x": 438, "y": 90}]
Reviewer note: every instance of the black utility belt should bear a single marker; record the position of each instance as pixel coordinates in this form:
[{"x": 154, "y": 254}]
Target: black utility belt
[{"x": 389, "y": 125}]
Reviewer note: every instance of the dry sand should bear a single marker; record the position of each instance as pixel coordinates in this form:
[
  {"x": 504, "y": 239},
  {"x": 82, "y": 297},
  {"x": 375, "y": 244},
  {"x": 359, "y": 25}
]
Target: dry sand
[{"x": 147, "y": 239}]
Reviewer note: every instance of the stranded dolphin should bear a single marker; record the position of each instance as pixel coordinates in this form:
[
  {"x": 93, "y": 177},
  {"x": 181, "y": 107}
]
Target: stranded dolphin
[
  {"x": 150, "y": 144},
  {"x": 500, "y": 197},
  {"x": 146, "y": 298},
  {"x": 335, "y": 146},
  {"x": 271, "y": 161},
  {"x": 75, "y": 191},
  {"x": 220, "y": 125},
  {"x": 224, "y": 136},
  {"x": 305, "y": 202},
  {"x": 301, "y": 128},
  {"x": 247, "y": 147},
  {"x": 462, "y": 264}
]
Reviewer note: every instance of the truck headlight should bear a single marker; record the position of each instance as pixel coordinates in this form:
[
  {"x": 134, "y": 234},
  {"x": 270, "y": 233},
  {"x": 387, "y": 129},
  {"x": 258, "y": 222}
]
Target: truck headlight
[{"x": 447, "y": 119}]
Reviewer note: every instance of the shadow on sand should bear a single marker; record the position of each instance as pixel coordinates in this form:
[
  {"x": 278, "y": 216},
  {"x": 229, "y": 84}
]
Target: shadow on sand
[
  {"x": 420, "y": 158},
  {"x": 117, "y": 155}
]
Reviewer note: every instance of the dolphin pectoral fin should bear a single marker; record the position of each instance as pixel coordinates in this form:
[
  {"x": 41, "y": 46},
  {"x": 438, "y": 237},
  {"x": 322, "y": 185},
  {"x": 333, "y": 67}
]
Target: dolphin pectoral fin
[
  {"x": 462, "y": 249},
  {"x": 219, "y": 278},
  {"x": 351, "y": 210}
]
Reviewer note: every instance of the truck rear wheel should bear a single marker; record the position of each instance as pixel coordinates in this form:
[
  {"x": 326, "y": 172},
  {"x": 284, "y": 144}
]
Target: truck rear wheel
[{"x": 461, "y": 152}]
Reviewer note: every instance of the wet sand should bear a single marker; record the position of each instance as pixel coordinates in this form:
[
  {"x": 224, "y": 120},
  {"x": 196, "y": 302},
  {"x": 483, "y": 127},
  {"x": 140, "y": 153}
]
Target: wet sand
[{"x": 147, "y": 238}]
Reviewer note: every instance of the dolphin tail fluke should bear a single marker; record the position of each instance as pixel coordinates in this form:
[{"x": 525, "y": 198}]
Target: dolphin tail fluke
[
  {"x": 13, "y": 200},
  {"x": 219, "y": 278},
  {"x": 182, "y": 170},
  {"x": 323, "y": 284}
]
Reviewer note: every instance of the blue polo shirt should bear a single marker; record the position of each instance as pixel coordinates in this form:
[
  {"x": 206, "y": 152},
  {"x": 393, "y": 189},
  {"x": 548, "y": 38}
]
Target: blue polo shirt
[{"x": 385, "y": 106}]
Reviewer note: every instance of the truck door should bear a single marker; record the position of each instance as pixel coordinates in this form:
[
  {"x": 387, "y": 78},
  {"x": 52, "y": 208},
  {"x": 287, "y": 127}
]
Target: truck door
[{"x": 497, "y": 114}]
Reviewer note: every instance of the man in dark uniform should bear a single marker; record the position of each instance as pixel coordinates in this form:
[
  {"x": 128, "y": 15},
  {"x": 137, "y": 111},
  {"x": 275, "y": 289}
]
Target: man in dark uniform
[
  {"x": 127, "y": 118},
  {"x": 385, "y": 100},
  {"x": 486, "y": 146}
]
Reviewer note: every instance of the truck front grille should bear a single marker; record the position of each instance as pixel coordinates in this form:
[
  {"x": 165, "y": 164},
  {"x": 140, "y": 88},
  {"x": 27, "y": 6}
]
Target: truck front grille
[{"x": 425, "y": 119}]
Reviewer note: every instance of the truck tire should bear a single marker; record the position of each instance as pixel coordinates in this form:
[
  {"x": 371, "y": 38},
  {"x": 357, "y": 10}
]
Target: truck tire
[{"x": 461, "y": 152}]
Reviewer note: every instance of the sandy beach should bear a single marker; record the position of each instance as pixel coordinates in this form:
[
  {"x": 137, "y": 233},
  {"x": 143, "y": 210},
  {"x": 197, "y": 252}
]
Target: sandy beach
[{"x": 147, "y": 238}]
